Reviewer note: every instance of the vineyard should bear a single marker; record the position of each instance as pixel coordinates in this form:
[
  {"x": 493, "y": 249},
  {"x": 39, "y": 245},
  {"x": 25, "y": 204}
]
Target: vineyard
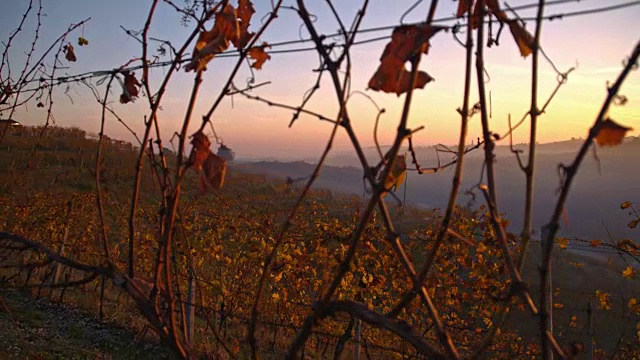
[{"x": 184, "y": 248}]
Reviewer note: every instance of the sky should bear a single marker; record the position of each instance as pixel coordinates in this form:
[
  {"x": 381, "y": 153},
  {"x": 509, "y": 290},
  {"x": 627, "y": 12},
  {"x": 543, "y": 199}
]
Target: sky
[{"x": 595, "y": 44}]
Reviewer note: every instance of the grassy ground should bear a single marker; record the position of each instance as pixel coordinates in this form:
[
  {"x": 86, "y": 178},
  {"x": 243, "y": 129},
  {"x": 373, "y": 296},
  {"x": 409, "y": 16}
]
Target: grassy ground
[{"x": 32, "y": 328}]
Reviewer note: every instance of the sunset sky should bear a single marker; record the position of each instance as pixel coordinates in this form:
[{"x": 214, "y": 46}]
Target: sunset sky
[{"x": 595, "y": 43}]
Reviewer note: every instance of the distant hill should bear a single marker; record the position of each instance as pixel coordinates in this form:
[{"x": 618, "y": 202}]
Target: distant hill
[{"x": 608, "y": 177}]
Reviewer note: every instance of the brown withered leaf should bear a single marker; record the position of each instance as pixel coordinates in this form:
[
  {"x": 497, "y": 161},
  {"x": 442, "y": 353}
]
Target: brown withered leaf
[
  {"x": 131, "y": 83},
  {"x": 477, "y": 13},
  {"x": 245, "y": 12},
  {"x": 69, "y": 53},
  {"x": 227, "y": 23},
  {"x": 611, "y": 133},
  {"x": 406, "y": 40},
  {"x": 258, "y": 54},
  {"x": 464, "y": 6},
  {"x": 392, "y": 75},
  {"x": 124, "y": 99},
  {"x": 595, "y": 243},
  {"x": 388, "y": 79},
  {"x": 494, "y": 8},
  {"x": 397, "y": 174},
  {"x": 129, "y": 88},
  {"x": 208, "y": 45},
  {"x": 200, "y": 151},
  {"x": 214, "y": 172},
  {"x": 215, "y": 41},
  {"x": 405, "y": 81},
  {"x": 522, "y": 37}
]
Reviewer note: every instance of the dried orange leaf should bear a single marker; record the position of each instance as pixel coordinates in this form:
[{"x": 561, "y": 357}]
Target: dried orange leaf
[
  {"x": 69, "y": 54},
  {"x": 259, "y": 55},
  {"x": 522, "y": 37},
  {"x": 208, "y": 45},
  {"x": 558, "y": 306},
  {"x": 625, "y": 205},
  {"x": 611, "y": 133},
  {"x": 227, "y": 23},
  {"x": 215, "y": 41}
]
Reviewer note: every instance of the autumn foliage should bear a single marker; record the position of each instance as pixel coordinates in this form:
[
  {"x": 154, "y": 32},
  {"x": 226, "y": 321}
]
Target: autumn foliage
[{"x": 265, "y": 266}]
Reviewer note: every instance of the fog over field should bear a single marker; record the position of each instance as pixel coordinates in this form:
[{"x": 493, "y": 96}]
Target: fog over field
[{"x": 608, "y": 177}]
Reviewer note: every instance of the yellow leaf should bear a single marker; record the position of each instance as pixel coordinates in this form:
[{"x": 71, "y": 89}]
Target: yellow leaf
[
  {"x": 629, "y": 272},
  {"x": 481, "y": 248},
  {"x": 603, "y": 298},
  {"x": 611, "y": 133},
  {"x": 625, "y": 205},
  {"x": 278, "y": 277},
  {"x": 562, "y": 242},
  {"x": 275, "y": 296}
]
